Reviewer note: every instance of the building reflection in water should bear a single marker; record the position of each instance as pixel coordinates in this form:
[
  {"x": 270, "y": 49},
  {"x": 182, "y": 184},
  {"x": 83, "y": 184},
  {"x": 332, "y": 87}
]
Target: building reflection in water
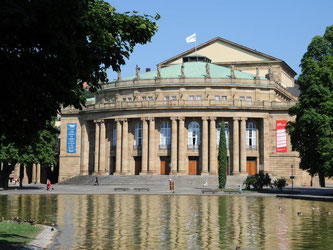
[{"x": 176, "y": 221}]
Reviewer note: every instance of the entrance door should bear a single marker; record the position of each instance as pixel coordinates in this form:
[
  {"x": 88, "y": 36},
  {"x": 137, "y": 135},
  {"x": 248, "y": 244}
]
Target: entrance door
[
  {"x": 165, "y": 167},
  {"x": 193, "y": 166},
  {"x": 251, "y": 166},
  {"x": 137, "y": 165}
]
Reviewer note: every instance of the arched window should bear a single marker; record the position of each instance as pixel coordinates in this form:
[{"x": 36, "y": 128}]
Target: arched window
[
  {"x": 114, "y": 135},
  {"x": 193, "y": 135},
  {"x": 226, "y": 130},
  {"x": 138, "y": 135},
  {"x": 165, "y": 135},
  {"x": 251, "y": 138}
]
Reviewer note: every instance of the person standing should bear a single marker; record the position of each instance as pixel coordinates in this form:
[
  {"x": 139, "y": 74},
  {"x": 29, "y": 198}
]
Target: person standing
[
  {"x": 96, "y": 181},
  {"x": 48, "y": 185}
]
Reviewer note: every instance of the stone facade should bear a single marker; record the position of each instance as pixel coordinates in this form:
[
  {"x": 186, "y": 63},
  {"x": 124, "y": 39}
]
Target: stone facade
[{"x": 139, "y": 125}]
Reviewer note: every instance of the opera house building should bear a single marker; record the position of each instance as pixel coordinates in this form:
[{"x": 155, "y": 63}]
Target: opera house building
[{"x": 168, "y": 119}]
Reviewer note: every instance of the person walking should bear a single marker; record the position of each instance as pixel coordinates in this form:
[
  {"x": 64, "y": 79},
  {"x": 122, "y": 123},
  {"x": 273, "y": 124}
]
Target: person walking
[
  {"x": 96, "y": 181},
  {"x": 48, "y": 185}
]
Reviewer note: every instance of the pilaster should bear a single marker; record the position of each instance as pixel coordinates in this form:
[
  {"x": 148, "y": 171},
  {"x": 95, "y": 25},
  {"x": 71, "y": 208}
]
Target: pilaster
[
  {"x": 144, "y": 155},
  {"x": 97, "y": 140},
  {"x": 85, "y": 148},
  {"x": 204, "y": 148},
  {"x": 243, "y": 146},
  {"x": 212, "y": 147},
  {"x": 235, "y": 146},
  {"x": 118, "y": 147},
  {"x": 152, "y": 146},
  {"x": 181, "y": 151},
  {"x": 174, "y": 142},
  {"x": 101, "y": 169},
  {"x": 124, "y": 160}
]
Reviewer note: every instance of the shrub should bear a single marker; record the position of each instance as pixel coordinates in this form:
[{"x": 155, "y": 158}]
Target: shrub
[
  {"x": 280, "y": 183},
  {"x": 258, "y": 181}
]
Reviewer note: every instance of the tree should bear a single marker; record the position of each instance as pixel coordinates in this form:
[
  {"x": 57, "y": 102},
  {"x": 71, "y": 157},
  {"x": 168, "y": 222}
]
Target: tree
[
  {"x": 48, "y": 49},
  {"x": 312, "y": 131},
  {"x": 9, "y": 155},
  {"x": 222, "y": 158}
]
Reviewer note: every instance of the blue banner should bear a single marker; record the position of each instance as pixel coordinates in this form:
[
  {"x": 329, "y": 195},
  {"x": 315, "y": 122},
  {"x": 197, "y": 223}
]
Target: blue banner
[{"x": 71, "y": 137}]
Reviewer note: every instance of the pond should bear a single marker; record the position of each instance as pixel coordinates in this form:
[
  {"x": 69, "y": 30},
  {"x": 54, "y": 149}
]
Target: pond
[{"x": 177, "y": 221}]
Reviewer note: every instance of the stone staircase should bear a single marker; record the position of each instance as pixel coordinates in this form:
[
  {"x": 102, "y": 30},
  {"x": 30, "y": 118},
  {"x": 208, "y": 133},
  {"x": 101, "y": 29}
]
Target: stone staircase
[{"x": 153, "y": 180}]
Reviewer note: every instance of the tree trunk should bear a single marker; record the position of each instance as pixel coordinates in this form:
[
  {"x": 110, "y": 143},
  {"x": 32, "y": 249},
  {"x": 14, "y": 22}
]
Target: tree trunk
[{"x": 321, "y": 179}]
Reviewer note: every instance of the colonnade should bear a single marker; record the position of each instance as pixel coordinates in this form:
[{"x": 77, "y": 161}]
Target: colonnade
[{"x": 178, "y": 151}]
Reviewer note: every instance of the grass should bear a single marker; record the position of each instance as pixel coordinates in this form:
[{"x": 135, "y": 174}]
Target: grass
[{"x": 15, "y": 236}]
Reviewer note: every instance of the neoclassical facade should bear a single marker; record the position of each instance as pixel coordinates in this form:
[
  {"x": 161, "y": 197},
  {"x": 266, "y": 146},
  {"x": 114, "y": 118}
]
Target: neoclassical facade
[{"x": 168, "y": 120}]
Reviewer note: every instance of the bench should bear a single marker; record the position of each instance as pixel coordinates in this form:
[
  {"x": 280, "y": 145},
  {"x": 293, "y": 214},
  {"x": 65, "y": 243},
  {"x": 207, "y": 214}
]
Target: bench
[
  {"x": 121, "y": 189},
  {"x": 208, "y": 191},
  {"x": 141, "y": 189}
]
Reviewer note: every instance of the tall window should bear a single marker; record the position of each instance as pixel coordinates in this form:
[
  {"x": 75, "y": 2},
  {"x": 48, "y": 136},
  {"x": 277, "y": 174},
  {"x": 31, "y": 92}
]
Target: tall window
[
  {"x": 165, "y": 138},
  {"x": 226, "y": 130},
  {"x": 138, "y": 135},
  {"x": 251, "y": 138},
  {"x": 193, "y": 135},
  {"x": 114, "y": 135}
]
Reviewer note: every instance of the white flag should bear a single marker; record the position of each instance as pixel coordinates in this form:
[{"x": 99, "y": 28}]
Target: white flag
[{"x": 192, "y": 38}]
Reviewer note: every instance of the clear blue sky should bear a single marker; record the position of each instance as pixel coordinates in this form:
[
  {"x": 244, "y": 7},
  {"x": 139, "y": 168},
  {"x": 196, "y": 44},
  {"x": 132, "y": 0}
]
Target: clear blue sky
[{"x": 282, "y": 28}]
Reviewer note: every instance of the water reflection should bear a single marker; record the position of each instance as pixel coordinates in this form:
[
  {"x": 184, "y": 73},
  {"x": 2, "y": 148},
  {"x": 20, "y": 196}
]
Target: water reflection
[{"x": 177, "y": 222}]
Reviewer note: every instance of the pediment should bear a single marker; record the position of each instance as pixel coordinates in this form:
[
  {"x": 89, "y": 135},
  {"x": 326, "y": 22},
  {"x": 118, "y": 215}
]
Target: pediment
[{"x": 221, "y": 51}]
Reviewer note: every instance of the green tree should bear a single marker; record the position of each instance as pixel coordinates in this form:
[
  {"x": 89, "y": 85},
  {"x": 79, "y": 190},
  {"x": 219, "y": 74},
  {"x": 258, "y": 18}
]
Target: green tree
[
  {"x": 48, "y": 49},
  {"x": 222, "y": 158},
  {"x": 9, "y": 155},
  {"x": 312, "y": 131}
]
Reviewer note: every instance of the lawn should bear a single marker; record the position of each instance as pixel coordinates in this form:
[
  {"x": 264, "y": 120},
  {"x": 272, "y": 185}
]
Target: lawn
[{"x": 14, "y": 235}]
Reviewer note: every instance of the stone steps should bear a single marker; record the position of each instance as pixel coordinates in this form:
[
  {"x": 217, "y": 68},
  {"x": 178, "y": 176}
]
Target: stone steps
[{"x": 151, "y": 180}]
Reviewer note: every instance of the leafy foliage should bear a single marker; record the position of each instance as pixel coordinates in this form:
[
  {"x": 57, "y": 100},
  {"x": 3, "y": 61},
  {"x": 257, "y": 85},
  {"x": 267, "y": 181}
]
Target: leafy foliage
[
  {"x": 312, "y": 131},
  {"x": 222, "y": 158},
  {"x": 48, "y": 49},
  {"x": 258, "y": 181},
  {"x": 280, "y": 183}
]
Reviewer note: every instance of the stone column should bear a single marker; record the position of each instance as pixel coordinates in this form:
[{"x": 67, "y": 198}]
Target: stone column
[
  {"x": 118, "y": 147},
  {"x": 124, "y": 168},
  {"x": 235, "y": 146},
  {"x": 204, "y": 147},
  {"x": 181, "y": 150},
  {"x": 174, "y": 143},
  {"x": 243, "y": 146},
  {"x": 97, "y": 141},
  {"x": 212, "y": 147},
  {"x": 265, "y": 138},
  {"x": 152, "y": 145},
  {"x": 33, "y": 171},
  {"x": 101, "y": 169},
  {"x": 144, "y": 151},
  {"x": 84, "y": 148},
  {"x": 38, "y": 173}
]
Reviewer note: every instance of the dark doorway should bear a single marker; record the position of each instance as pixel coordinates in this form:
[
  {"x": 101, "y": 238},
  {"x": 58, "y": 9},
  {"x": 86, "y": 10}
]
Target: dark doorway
[
  {"x": 165, "y": 165},
  {"x": 138, "y": 166}
]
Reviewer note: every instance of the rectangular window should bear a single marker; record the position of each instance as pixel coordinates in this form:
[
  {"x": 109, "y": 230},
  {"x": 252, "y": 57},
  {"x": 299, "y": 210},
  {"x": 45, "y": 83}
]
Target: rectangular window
[
  {"x": 150, "y": 98},
  {"x": 144, "y": 98},
  {"x": 129, "y": 99},
  {"x": 224, "y": 98},
  {"x": 191, "y": 97},
  {"x": 173, "y": 97},
  {"x": 198, "y": 97},
  {"x": 248, "y": 98},
  {"x": 166, "y": 98},
  {"x": 124, "y": 99},
  {"x": 217, "y": 98},
  {"x": 241, "y": 98}
]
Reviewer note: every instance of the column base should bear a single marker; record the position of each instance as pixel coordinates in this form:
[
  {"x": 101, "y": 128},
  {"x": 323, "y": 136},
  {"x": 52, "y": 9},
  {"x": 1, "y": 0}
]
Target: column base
[
  {"x": 181, "y": 172},
  {"x": 204, "y": 173},
  {"x": 213, "y": 173},
  {"x": 84, "y": 172},
  {"x": 143, "y": 172},
  {"x": 116, "y": 173},
  {"x": 101, "y": 172}
]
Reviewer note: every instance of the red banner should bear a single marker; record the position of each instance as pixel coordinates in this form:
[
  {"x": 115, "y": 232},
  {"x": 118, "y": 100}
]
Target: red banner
[{"x": 281, "y": 136}]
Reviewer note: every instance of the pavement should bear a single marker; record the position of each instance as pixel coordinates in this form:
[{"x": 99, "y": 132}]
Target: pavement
[
  {"x": 307, "y": 193},
  {"x": 43, "y": 239}
]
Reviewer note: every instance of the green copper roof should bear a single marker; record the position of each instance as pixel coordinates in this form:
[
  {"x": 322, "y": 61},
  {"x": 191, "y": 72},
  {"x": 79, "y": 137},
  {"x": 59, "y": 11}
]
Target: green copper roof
[{"x": 193, "y": 70}]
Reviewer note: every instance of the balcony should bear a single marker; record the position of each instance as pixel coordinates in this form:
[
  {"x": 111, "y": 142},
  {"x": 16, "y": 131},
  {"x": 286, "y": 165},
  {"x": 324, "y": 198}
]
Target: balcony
[
  {"x": 163, "y": 147},
  {"x": 251, "y": 147},
  {"x": 192, "y": 146}
]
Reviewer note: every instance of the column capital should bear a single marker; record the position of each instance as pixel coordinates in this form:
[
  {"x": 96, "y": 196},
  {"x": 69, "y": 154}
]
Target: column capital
[
  {"x": 144, "y": 119},
  {"x": 173, "y": 118},
  {"x": 204, "y": 118},
  {"x": 244, "y": 118},
  {"x": 212, "y": 118},
  {"x": 181, "y": 118},
  {"x": 151, "y": 118},
  {"x": 236, "y": 118}
]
